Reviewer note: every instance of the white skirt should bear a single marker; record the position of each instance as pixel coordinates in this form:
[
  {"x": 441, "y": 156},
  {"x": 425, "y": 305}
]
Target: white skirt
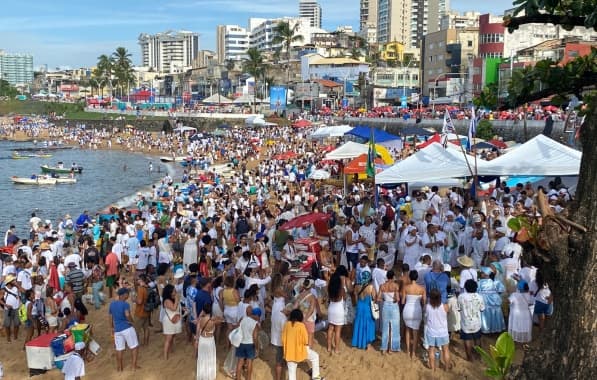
[
  {"x": 206, "y": 360},
  {"x": 336, "y": 313}
]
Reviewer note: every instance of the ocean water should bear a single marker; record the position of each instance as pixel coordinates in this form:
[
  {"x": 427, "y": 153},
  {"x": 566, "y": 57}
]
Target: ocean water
[{"x": 105, "y": 181}]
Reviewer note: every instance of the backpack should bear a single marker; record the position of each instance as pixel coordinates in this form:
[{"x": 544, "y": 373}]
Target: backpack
[
  {"x": 22, "y": 313},
  {"x": 242, "y": 226},
  {"x": 153, "y": 300}
]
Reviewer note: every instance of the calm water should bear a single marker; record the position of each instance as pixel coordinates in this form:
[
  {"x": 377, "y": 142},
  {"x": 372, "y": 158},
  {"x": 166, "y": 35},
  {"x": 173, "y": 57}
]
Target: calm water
[{"x": 103, "y": 182}]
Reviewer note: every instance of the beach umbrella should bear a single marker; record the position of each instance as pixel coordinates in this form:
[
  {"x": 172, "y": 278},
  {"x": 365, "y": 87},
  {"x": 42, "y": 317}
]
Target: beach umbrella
[
  {"x": 320, "y": 174},
  {"x": 299, "y": 221},
  {"x": 302, "y": 123},
  {"x": 498, "y": 143}
]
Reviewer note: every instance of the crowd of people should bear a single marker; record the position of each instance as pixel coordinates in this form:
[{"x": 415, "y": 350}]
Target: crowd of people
[{"x": 405, "y": 270}]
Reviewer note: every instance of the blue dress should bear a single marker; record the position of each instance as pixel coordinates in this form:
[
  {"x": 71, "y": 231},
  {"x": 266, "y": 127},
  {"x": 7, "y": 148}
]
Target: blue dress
[
  {"x": 363, "y": 332},
  {"x": 492, "y": 318}
]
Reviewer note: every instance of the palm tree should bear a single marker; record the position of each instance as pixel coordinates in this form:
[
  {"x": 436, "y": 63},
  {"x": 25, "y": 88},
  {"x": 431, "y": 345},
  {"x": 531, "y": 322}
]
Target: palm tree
[
  {"x": 123, "y": 67},
  {"x": 254, "y": 66},
  {"x": 105, "y": 70},
  {"x": 286, "y": 35},
  {"x": 355, "y": 54}
]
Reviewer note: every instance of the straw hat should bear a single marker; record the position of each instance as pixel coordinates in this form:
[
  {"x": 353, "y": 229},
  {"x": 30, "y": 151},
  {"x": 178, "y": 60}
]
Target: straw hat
[
  {"x": 10, "y": 278},
  {"x": 465, "y": 261},
  {"x": 44, "y": 246}
]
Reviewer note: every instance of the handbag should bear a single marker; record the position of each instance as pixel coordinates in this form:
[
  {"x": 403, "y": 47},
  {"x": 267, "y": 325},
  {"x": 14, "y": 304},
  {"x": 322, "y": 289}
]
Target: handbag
[
  {"x": 235, "y": 337},
  {"x": 175, "y": 319},
  {"x": 374, "y": 310}
]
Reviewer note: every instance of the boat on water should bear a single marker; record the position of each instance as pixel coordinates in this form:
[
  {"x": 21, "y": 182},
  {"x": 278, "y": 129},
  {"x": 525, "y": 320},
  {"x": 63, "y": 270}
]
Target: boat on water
[
  {"x": 65, "y": 180},
  {"x": 36, "y": 180},
  {"x": 17, "y": 156},
  {"x": 42, "y": 155},
  {"x": 61, "y": 169},
  {"x": 173, "y": 159}
]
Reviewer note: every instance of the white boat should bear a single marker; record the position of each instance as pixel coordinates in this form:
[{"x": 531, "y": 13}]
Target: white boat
[
  {"x": 173, "y": 159},
  {"x": 65, "y": 180},
  {"x": 40, "y": 180}
]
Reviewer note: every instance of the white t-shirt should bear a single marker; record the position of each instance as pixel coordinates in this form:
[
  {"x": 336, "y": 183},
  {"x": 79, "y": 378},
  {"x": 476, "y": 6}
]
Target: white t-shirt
[
  {"x": 11, "y": 297},
  {"x": 379, "y": 277},
  {"x": 73, "y": 367},
  {"x": 467, "y": 274},
  {"x": 24, "y": 277},
  {"x": 436, "y": 321},
  {"x": 247, "y": 325},
  {"x": 143, "y": 258},
  {"x": 72, "y": 258},
  {"x": 470, "y": 306}
]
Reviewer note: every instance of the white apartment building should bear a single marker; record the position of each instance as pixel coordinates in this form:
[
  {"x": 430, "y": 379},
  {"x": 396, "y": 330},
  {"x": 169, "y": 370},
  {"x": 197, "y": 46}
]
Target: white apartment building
[
  {"x": 455, "y": 20},
  {"x": 425, "y": 18},
  {"x": 312, "y": 10},
  {"x": 263, "y": 32},
  {"x": 368, "y": 15},
  {"x": 232, "y": 43},
  {"x": 16, "y": 69},
  {"x": 393, "y": 21},
  {"x": 169, "y": 52}
]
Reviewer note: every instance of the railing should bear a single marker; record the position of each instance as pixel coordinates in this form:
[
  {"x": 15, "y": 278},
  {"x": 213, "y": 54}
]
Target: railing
[{"x": 199, "y": 115}]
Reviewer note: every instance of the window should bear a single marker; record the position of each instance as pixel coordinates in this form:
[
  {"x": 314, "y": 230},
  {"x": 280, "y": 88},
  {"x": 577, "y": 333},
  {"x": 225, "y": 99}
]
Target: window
[{"x": 469, "y": 43}]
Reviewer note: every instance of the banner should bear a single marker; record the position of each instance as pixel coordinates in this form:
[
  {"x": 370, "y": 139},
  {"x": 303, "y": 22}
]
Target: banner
[{"x": 277, "y": 98}]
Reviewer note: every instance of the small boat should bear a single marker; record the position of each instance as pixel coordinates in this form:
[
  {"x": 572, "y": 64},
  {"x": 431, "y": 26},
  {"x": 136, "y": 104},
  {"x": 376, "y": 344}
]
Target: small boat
[
  {"x": 65, "y": 180},
  {"x": 44, "y": 155},
  {"x": 39, "y": 180},
  {"x": 17, "y": 156},
  {"x": 173, "y": 159},
  {"x": 62, "y": 170}
]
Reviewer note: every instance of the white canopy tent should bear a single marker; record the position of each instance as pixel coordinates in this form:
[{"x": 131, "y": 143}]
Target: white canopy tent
[
  {"x": 331, "y": 131},
  {"x": 432, "y": 163},
  {"x": 218, "y": 99},
  {"x": 246, "y": 99},
  {"x": 540, "y": 156},
  {"x": 349, "y": 150},
  {"x": 184, "y": 128}
]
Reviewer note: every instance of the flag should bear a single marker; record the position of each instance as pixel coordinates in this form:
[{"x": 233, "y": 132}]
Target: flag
[
  {"x": 447, "y": 127},
  {"x": 472, "y": 130},
  {"x": 371, "y": 154}
]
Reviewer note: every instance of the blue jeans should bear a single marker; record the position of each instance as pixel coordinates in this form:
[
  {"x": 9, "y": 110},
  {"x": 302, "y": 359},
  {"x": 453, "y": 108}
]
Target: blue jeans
[
  {"x": 96, "y": 287},
  {"x": 390, "y": 317},
  {"x": 353, "y": 259}
]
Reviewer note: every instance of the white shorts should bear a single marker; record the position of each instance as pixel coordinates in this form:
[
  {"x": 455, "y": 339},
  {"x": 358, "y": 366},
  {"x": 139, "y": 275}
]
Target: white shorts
[
  {"x": 125, "y": 338},
  {"x": 133, "y": 260}
]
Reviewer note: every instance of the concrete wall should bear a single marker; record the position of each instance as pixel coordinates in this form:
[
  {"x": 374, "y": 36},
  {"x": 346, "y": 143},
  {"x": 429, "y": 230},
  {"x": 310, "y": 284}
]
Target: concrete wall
[{"x": 508, "y": 129}]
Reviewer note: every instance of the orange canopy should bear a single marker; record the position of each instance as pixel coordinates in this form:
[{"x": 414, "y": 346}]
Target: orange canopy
[{"x": 359, "y": 165}]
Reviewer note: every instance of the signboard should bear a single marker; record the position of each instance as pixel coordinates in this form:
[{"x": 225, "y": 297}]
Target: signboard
[
  {"x": 403, "y": 102},
  {"x": 277, "y": 98},
  {"x": 344, "y": 103},
  {"x": 306, "y": 91}
]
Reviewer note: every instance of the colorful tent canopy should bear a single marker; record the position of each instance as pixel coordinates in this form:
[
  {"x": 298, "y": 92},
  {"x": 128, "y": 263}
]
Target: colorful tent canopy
[
  {"x": 352, "y": 150},
  {"x": 379, "y": 135},
  {"x": 359, "y": 165},
  {"x": 301, "y": 123}
]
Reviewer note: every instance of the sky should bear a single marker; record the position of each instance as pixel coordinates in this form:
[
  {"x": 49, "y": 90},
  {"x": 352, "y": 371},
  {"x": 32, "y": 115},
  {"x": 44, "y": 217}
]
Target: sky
[{"x": 69, "y": 33}]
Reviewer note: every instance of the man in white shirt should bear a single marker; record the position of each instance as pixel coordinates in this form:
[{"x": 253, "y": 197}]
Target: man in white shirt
[
  {"x": 74, "y": 366},
  {"x": 434, "y": 199},
  {"x": 434, "y": 241},
  {"x": 73, "y": 258},
  {"x": 423, "y": 267},
  {"x": 379, "y": 274},
  {"x": 419, "y": 207},
  {"x": 277, "y": 325},
  {"x": 24, "y": 277}
]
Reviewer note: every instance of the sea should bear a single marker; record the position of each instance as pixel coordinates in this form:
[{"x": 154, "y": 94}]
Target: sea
[{"x": 109, "y": 177}]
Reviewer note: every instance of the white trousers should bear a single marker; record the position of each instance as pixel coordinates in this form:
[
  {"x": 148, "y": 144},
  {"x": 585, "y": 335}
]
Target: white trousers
[{"x": 313, "y": 357}]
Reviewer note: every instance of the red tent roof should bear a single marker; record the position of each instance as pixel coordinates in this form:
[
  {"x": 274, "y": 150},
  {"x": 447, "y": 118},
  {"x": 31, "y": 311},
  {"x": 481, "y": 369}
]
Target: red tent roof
[
  {"x": 302, "y": 124},
  {"x": 359, "y": 165},
  {"x": 435, "y": 138}
]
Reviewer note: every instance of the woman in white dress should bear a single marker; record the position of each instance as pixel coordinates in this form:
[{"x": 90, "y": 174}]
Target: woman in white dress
[
  {"x": 412, "y": 247},
  {"x": 206, "y": 345},
  {"x": 172, "y": 321},
  {"x": 336, "y": 311},
  {"x": 520, "y": 321},
  {"x": 413, "y": 298}
]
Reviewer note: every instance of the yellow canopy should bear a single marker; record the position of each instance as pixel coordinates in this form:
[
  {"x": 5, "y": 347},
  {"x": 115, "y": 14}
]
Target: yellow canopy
[{"x": 384, "y": 154}]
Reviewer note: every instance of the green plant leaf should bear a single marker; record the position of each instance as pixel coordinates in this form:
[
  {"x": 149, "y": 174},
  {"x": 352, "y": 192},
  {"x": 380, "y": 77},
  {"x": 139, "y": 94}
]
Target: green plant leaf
[
  {"x": 514, "y": 224},
  {"x": 505, "y": 344},
  {"x": 489, "y": 361}
]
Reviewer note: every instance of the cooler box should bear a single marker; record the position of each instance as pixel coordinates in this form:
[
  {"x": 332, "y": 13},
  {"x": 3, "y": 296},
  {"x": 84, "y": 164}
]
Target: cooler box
[
  {"x": 39, "y": 352},
  {"x": 80, "y": 332}
]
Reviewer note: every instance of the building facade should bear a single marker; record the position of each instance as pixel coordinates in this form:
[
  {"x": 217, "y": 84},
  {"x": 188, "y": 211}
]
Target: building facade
[
  {"x": 455, "y": 20},
  {"x": 393, "y": 21},
  {"x": 262, "y": 33},
  {"x": 169, "y": 52},
  {"x": 232, "y": 43},
  {"x": 368, "y": 15},
  {"x": 425, "y": 16},
  {"x": 312, "y": 10},
  {"x": 16, "y": 69}
]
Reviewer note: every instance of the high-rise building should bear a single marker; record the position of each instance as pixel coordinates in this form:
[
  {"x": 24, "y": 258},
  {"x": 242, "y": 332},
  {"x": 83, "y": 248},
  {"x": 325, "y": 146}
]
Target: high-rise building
[
  {"x": 16, "y": 69},
  {"x": 455, "y": 20},
  {"x": 263, "y": 32},
  {"x": 393, "y": 21},
  {"x": 312, "y": 10},
  {"x": 425, "y": 18},
  {"x": 169, "y": 52},
  {"x": 368, "y": 15},
  {"x": 232, "y": 43}
]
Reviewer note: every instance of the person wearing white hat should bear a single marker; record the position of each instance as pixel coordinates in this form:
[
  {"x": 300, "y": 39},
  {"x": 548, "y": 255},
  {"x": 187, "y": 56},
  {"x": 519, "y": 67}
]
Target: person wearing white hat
[
  {"x": 501, "y": 239},
  {"x": 74, "y": 366}
]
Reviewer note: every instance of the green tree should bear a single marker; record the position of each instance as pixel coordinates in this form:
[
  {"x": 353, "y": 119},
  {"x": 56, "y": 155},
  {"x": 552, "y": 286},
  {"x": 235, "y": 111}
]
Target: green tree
[
  {"x": 355, "y": 54},
  {"x": 488, "y": 97},
  {"x": 568, "y": 254},
  {"x": 123, "y": 69},
  {"x": 286, "y": 36},
  {"x": 6, "y": 89},
  {"x": 254, "y": 65},
  {"x": 104, "y": 72}
]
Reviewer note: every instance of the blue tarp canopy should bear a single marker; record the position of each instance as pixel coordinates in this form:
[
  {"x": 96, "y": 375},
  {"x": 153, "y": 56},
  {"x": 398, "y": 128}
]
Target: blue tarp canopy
[{"x": 379, "y": 135}]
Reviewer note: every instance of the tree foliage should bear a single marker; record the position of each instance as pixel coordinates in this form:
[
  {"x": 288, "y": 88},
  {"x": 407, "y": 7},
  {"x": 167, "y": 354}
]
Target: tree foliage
[
  {"x": 6, "y": 89},
  {"x": 286, "y": 35},
  {"x": 488, "y": 98}
]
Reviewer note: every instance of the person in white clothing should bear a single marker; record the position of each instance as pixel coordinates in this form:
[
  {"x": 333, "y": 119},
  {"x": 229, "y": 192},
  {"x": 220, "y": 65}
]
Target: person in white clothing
[
  {"x": 467, "y": 272},
  {"x": 74, "y": 366}
]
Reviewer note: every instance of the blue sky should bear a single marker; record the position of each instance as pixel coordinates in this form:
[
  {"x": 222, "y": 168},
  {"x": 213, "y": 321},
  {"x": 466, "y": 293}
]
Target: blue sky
[{"x": 74, "y": 33}]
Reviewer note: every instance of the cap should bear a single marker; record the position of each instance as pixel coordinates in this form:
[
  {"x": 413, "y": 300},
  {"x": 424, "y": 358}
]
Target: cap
[
  {"x": 256, "y": 311},
  {"x": 179, "y": 273},
  {"x": 502, "y": 230},
  {"x": 79, "y": 346},
  {"x": 447, "y": 268},
  {"x": 123, "y": 291}
]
